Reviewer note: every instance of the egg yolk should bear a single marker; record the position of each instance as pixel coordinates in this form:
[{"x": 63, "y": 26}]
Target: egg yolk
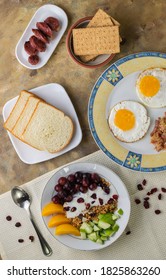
[
  {"x": 149, "y": 86},
  {"x": 124, "y": 119}
]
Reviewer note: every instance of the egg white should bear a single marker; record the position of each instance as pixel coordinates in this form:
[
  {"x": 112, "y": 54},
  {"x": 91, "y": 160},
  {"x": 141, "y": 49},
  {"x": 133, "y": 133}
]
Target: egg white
[
  {"x": 158, "y": 100},
  {"x": 142, "y": 121}
]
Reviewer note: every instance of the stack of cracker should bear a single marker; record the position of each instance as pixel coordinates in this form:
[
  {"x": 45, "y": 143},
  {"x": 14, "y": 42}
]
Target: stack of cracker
[{"x": 101, "y": 36}]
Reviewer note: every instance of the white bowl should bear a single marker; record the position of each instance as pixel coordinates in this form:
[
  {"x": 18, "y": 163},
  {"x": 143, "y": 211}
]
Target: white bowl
[
  {"x": 99, "y": 61},
  {"x": 116, "y": 185}
]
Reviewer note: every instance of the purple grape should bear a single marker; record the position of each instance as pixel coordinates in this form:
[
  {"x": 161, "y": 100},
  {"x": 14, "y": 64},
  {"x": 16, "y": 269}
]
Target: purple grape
[
  {"x": 62, "y": 201},
  {"x": 68, "y": 198},
  {"x": 83, "y": 189},
  {"x": 62, "y": 181},
  {"x": 78, "y": 175},
  {"x": 56, "y": 199},
  {"x": 71, "y": 178},
  {"x": 93, "y": 187},
  {"x": 67, "y": 208},
  {"x": 77, "y": 188},
  {"x": 87, "y": 175},
  {"x": 58, "y": 188},
  {"x": 95, "y": 177},
  {"x": 72, "y": 190},
  {"x": 66, "y": 187},
  {"x": 62, "y": 194},
  {"x": 78, "y": 180},
  {"x": 85, "y": 182}
]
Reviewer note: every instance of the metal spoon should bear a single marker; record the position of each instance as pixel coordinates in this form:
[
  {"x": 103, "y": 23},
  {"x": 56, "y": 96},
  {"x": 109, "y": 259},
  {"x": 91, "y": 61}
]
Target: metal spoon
[{"x": 22, "y": 199}]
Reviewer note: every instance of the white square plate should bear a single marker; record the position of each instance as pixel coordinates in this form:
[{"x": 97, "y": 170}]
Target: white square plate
[
  {"x": 55, "y": 95},
  {"x": 41, "y": 14}
]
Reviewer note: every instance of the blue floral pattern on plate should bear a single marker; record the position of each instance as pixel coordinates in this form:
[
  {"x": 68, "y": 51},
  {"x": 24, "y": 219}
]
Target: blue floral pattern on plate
[
  {"x": 133, "y": 161},
  {"x": 112, "y": 75}
]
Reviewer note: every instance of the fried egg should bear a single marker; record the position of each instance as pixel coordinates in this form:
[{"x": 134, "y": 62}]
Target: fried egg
[
  {"x": 128, "y": 121},
  {"x": 151, "y": 87}
]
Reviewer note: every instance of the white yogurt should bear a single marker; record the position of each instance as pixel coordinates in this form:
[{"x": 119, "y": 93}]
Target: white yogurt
[{"x": 81, "y": 207}]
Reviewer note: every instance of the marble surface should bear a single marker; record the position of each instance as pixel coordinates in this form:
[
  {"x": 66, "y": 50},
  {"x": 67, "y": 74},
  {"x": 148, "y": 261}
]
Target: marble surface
[{"x": 143, "y": 26}]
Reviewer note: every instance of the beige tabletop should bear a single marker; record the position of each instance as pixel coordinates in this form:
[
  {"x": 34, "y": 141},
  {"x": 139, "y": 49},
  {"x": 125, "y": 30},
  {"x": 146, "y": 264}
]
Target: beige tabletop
[{"x": 142, "y": 24}]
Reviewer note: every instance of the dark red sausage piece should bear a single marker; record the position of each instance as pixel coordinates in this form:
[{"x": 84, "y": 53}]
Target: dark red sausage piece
[
  {"x": 38, "y": 44},
  {"x": 44, "y": 28},
  {"x": 53, "y": 23},
  {"x": 33, "y": 59},
  {"x": 39, "y": 34},
  {"x": 29, "y": 49}
]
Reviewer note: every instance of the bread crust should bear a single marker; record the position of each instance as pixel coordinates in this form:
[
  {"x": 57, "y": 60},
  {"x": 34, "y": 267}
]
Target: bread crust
[
  {"x": 10, "y": 115},
  {"x": 12, "y": 131}
]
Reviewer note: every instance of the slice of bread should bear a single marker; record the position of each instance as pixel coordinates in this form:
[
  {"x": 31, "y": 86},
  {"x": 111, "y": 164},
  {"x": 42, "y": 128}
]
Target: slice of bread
[
  {"x": 48, "y": 129},
  {"x": 25, "y": 116},
  {"x": 17, "y": 110}
]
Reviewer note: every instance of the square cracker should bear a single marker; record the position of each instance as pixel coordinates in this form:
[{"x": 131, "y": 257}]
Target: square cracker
[
  {"x": 100, "y": 40},
  {"x": 100, "y": 19}
]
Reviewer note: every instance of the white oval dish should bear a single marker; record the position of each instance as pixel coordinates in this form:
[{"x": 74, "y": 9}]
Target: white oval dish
[
  {"x": 117, "y": 185},
  {"x": 41, "y": 14}
]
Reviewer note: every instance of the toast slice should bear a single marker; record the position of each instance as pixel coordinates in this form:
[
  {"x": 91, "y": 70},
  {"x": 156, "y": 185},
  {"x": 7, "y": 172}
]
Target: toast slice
[
  {"x": 48, "y": 129},
  {"x": 17, "y": 110},
  {"x": 25, "y": 116}
]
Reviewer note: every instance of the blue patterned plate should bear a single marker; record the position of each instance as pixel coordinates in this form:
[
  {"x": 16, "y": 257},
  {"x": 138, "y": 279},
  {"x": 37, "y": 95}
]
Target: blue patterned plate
[{"x": 117, "y": 83}]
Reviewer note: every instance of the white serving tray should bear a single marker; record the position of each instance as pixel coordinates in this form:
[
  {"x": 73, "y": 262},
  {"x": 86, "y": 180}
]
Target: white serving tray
[{"x": 41, "y": 14}]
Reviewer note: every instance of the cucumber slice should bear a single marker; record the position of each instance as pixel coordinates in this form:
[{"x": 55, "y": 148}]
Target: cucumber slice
[
  {"x": 82, "y": 230},
  {"x": 107, "y": 218},
  {"x": 95, "y": 222},
  {"x": 101, "y": 216},
  {"x": 86, "y": 227},
  {"x": 104, "y": 238},
  {"x": 107, "y": 232},
  {"x": 92, "y": 236},
  {"x": 100, "y": 241},
  {"x": 103, "y": 225},
  {"x": 83, "y": 235},
  {"x": 115, "y": 217},
  {"x": 91, "y": 224},
  {"x": 120, "y": 211},
  {"x": 96, "y": 228},
  {"x": 115, "y": 228}
]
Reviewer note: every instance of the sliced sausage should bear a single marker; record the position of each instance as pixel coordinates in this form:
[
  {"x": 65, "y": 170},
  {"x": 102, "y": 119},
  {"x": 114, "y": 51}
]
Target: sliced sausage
[
  {"x": 44, "y": 27},
  {"x": 33, "y": 59},
  {"x": 39, "y": 34},
  {"x": 29, "y": 49},
  {"x": 53, "y": 23},
  {"x": 37, "y": 44}
]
